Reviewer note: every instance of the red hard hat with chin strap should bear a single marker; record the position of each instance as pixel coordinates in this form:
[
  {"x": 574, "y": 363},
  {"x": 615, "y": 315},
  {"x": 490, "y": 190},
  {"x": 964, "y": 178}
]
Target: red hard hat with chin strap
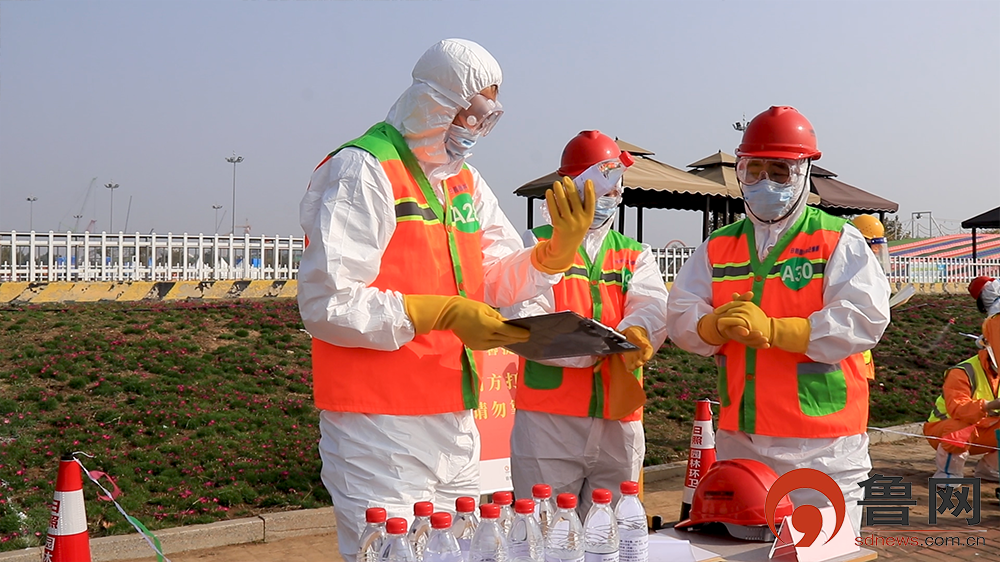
[
  {"x": 977, "y": 284},
  {"x": 585, "y": 150},
  {"x": 779, "y": 132}
]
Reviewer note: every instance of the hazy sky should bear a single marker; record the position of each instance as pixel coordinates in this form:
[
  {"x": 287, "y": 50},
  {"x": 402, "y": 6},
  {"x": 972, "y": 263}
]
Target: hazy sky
[{"x": 154, "y": 95}]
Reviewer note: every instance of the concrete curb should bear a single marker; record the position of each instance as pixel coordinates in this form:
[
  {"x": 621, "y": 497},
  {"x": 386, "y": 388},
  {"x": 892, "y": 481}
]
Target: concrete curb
[
  {"x": 23, "y": 292},
  {"x": 276, "y": 526}
]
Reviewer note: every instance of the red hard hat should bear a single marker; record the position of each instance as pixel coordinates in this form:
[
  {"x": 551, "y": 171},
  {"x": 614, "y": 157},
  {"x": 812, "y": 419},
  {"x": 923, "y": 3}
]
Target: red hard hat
[
  {"x": 585, "y": 150},
  {"x": 734, "y": 492},
  {"x": 976, "y": 287},
  {"x": 779, "y": 132}
]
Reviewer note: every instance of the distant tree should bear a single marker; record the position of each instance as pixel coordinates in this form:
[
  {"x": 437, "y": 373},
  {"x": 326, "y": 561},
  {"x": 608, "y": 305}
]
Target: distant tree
[{"x": 894, "y": 229}]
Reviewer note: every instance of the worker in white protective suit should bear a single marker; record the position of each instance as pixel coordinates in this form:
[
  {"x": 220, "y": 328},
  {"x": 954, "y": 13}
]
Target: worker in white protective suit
[
  {"x": 786, "y": 300},
  {"x": 407, "y": 253},
  {"x": 578, "y": 425}
]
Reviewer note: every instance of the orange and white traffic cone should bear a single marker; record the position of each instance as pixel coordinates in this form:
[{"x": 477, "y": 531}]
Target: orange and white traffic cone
[
  {"x": 67, "y": 539},
  {"x": 701, "y": 454}
]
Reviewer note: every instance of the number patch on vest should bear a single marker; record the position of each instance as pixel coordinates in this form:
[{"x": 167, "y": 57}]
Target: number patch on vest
[
  {"x": 463, "y": 214},
  {"x": 796, "y": 273}
]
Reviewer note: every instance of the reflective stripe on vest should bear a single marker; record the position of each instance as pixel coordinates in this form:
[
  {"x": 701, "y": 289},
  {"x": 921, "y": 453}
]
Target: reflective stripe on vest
[
  {"x": 596, "y": 290},
  {"x": 793, "y": 396},
  {"x": 434, "y": 249},
  {"x": 978, "y": 382}
]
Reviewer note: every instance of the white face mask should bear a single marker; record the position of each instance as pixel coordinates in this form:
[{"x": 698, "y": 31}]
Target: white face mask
[
  {"x": 459, "y": 141},
  {"x": 603, "y": 211}
]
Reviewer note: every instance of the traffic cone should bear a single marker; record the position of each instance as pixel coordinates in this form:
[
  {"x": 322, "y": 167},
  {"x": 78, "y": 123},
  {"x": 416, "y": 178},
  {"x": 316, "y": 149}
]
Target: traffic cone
[
  {"x": 701, "y": 454},
  {"x": 67, "y": 539}
]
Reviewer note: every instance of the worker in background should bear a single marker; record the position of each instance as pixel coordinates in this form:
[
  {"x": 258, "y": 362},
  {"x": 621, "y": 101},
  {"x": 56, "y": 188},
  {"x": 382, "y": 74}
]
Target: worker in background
[
  {"x": 967, "y": 413},
  {"x": 575, "y": 427},
  {"x": 408, "y": 251},
  {"x": 871, "y": 228},
  {"x": 786, "y": 300},
  {"x": 986, "y": 291}
]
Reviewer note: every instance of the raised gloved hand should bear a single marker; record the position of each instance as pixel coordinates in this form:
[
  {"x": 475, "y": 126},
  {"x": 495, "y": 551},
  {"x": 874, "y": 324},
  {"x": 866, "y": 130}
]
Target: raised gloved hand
[
  {"x": 746, "y": 323},
  {"x": 708, "y": 325},
  {"x": 477, "y": 324},
  {"x": 625, "y": 393},
  {"x": 635, "y": 359},
  {"x": 571, "y": 218}
]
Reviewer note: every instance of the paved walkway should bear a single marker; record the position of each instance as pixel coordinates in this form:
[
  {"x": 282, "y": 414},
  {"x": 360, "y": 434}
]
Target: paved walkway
[{"x": 910, "y": 459}]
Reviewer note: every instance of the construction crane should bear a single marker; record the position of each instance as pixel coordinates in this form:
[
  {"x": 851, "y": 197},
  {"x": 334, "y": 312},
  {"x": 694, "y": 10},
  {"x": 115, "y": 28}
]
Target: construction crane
[
  {"x": 245, "y": 226},
  {"x": 79, "y": 215}
]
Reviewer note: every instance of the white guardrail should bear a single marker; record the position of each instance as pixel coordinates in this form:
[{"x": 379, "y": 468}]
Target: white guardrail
[{"x": 68, "y": 256}]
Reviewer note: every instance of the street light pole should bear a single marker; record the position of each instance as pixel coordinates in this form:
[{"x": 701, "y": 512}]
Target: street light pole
[
  {"x": 234, "y": 160},
  {"x": 31, "y": 213},
  {"x": 111, "y": 220},
  {"x": 216, "y": 207}
]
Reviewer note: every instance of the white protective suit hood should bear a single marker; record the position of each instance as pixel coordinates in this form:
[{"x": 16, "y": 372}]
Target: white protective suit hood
[{"x": 444, "y": 79}]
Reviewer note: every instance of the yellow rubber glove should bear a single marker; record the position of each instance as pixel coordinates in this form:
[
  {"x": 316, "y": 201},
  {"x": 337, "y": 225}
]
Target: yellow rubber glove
[
  {"x": 571, "y": 218},
  {"x": 625, "y": 393},
  {"x": 791, "y": 334},
  {"x": 708, "y": 325},
  {"x": 635, "y": 359},
  {"x": 477, "y": 324},
  {"x": 746, "y": 323}
]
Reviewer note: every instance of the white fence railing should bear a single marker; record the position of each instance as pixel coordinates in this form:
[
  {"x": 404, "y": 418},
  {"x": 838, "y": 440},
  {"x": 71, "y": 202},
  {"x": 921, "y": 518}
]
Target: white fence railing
[
  {"x": 67, "y": 256},
  {"x": 901, "y": 269}
]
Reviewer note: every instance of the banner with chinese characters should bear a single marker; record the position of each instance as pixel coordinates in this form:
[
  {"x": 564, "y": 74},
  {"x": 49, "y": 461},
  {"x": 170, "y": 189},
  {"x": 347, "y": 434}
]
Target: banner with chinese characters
[{"x": 495, "y": 416}]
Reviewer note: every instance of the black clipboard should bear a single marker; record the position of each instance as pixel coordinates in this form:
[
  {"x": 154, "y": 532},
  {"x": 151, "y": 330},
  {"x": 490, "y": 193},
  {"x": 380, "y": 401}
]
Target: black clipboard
[{"x": 567, "y": 334}]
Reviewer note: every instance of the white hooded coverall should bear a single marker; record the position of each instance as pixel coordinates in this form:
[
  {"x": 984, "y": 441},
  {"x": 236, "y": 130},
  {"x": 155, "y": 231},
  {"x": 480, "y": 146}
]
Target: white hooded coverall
[
  {"x": 854, "y": 315},
  {"x": 349, "y": 217},
  {"x": 579, "y": 454}
]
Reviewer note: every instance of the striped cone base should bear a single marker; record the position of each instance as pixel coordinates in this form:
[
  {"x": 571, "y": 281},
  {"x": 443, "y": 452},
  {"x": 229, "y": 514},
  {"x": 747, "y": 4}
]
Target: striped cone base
[{"x": 67, "y": 539}]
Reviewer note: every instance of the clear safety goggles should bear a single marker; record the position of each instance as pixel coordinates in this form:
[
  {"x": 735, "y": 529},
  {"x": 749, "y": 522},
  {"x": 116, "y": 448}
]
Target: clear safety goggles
[
  {"x": 779, "y": 170},
  {"x": 481, "y": 115}
]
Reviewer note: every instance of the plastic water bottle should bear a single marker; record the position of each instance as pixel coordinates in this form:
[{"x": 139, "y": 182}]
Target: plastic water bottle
[
  {"x": 564, "y": 543},
  {"x": 465, "y": 524},
  {"x": 632, "y": 526},
  {"x": 545, "y": 510},
  {"x": 489, "y": 543},
  {"x": 397, "y": 547},
  {"x": 373, "y": 536},
  {"x": 601, "y": 529},
  {"x": 605, "y": 174},
  {"x": 421, "y": 527},
  {"x": 441, "y": 543},
  {"x": 525, "y": 542},
  {"x": 505, "y": 500}
]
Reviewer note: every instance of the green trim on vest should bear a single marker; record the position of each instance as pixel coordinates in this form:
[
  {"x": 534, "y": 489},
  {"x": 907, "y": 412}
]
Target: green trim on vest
[
  {"x": 385, "y": 143},
  {"x": 812, "y": 220},
  {"x": 978, "y": 380}
]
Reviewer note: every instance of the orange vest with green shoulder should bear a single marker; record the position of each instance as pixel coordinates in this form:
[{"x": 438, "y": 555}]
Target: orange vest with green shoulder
[
  {"x": 595, "y": 289},
  {"x": 435, "y": 249},
  {"x": 772, "y": 391}
]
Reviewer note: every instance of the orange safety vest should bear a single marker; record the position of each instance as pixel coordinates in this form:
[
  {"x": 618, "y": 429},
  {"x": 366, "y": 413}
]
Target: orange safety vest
[
  {"x": 434, "y": 250},
  {"x": 773, "y": 391},
  {"x": 595, "y": 290}
]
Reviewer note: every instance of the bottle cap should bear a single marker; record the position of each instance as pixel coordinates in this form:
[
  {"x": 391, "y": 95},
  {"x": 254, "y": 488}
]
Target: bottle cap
[
  {"x": 465, "y": 504},
  {"x": 423, "y": 509},
  {"x": 566, "y": 501},
  {"x": 441, "y": 520},
  {"x": 375, "y": 515},
  {"x": 524, "y": 506},
  {"x": 395, "y": 526},
  {"x": 629, "y": 487},
  {"x": 541, "y": 491},
  {"x": 503, "y": 498},
  {"x": 601, "y": 495},
  {"x": 626, "y": 158},
  {"x": 489, "y": 511}
]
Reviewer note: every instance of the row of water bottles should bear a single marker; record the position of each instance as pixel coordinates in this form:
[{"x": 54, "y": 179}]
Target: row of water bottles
[{"x": 534, "y": 530}]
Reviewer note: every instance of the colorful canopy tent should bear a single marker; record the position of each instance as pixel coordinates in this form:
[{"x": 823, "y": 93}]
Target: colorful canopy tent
[
  {"x": 652, "y": 184},
  {"x": 989, "y": 219}
]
